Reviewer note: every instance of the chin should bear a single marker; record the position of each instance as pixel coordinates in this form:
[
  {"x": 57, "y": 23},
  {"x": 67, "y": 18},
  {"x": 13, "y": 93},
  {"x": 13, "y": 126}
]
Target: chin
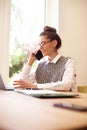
[{"x": 44, "y": 53}]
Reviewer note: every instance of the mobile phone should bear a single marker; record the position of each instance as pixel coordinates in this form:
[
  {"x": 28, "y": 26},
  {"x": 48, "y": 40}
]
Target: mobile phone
[
  {"x": 39, "y": 55},
  {"x": 71, "y": 106}
]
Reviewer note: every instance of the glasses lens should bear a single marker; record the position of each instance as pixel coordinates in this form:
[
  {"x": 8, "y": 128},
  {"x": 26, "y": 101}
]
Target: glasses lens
[{"x": 43, "y": 43}]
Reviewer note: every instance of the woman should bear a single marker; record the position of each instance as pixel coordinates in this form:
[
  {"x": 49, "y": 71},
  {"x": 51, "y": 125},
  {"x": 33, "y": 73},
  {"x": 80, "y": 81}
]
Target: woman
[{"x": 56, "y": 72}]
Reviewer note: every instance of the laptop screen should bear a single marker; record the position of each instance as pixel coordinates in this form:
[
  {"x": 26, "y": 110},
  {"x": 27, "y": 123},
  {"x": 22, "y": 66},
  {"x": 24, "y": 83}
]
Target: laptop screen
[{"x": 2, "y": 86}]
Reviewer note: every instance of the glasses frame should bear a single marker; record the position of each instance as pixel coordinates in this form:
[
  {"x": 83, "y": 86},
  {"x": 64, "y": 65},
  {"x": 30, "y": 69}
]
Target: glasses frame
[{"x": 44, "y": 43}]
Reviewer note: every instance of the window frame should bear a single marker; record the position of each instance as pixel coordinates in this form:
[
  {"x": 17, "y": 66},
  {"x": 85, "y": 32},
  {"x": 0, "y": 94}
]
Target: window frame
[
  {"x": 5, "y": 13},
  {"x": 4, "y": 38}
]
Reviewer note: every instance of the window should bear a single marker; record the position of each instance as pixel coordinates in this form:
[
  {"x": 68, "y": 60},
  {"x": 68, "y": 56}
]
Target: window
[
  {"x": 27, "y": 21},
  {"x": 47, "y": 11}
]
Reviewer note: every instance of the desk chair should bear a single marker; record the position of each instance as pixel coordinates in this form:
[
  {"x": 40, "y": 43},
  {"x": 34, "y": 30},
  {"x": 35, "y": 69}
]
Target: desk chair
[{"x": 82, "y": 89}]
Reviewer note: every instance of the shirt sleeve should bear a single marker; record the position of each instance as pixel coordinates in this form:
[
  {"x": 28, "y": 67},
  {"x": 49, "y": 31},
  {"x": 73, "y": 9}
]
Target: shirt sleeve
[
  {"x": 28, "y": 75},
  {"x": 68, "y": 80}
]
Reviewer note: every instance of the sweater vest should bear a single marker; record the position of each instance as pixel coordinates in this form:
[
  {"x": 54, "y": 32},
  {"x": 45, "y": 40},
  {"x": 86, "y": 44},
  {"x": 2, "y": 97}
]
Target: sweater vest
[{"x": 51, "y": 72}]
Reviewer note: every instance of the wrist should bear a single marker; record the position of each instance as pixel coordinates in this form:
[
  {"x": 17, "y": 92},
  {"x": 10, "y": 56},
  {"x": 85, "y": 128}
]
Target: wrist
[
  {"x": 30, "y": 63},
  {"x": 32, "y": 86}
]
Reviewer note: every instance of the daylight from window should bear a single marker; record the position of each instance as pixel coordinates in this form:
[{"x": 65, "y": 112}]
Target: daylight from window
[{"x": 27, "y": 21}]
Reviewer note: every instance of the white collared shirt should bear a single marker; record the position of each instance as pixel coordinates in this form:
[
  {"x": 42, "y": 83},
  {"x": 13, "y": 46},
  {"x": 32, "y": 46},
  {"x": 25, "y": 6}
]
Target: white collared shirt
[
  {"x": 68, "y": 80},
  {"x": 55, "y": 59}
]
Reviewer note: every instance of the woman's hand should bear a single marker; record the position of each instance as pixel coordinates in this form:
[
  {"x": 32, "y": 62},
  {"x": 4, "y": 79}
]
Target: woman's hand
[
  {"x": 32, "y": 58},
  {"x": 23, "y": 85}
]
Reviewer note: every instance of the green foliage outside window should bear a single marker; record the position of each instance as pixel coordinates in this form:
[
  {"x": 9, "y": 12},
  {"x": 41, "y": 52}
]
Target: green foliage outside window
[{"x": 17, "y": 59}]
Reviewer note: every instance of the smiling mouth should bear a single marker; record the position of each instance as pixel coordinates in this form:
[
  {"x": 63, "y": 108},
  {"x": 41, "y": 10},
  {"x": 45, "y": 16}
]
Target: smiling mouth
[{"x": 43, "y": 51}]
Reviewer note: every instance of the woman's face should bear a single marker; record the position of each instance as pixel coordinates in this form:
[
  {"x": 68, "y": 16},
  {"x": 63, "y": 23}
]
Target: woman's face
[{"x": 47, "y": 46}]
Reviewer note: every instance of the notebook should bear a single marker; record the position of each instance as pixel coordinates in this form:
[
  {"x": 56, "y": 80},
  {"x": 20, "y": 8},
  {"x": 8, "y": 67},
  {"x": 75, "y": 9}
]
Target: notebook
[
  {"x": 3, "y": 87},
  {"x": 47, "y": 93}
]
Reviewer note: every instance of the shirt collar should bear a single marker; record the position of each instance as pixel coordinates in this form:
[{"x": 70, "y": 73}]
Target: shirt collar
[{"x": 56, "y": 58}]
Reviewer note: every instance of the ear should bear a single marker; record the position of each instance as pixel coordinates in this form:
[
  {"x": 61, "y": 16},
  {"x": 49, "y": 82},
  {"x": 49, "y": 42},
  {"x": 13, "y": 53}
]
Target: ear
[{"x": 54, "y": 43}]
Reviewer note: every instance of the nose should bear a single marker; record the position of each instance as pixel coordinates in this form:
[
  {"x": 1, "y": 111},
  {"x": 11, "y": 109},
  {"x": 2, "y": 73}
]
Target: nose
[{"x": 41, "y": 46}]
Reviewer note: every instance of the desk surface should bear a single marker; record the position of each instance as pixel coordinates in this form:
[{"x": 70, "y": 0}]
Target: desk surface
[{"x": 21, "y": 112}]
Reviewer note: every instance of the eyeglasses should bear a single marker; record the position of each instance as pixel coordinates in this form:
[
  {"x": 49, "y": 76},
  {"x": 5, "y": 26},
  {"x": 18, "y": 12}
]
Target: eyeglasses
[{"x": 43, "y": 43}]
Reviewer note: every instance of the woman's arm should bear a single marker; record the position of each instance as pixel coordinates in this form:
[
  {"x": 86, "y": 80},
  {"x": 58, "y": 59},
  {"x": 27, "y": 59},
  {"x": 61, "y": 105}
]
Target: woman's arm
[
  {"x": 27, "y": 79},
  {"x": 27, "y": 75}
]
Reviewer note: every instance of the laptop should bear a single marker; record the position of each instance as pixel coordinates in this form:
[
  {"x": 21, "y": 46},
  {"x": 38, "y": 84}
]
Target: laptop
[{"x": 3, "y": 87}]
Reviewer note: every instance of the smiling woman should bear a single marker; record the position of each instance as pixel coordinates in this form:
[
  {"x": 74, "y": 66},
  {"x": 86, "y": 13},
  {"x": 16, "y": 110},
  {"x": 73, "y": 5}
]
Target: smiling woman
[{"x": 56, "y": 72}]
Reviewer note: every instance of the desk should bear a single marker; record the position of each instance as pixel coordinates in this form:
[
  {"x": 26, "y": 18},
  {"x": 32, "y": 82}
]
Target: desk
[{"x": 21, "y": 112}]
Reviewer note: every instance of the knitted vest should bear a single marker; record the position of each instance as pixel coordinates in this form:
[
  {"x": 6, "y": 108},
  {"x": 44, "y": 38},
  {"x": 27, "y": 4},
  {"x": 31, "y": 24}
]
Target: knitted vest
[{"x": 51, "y": 72}]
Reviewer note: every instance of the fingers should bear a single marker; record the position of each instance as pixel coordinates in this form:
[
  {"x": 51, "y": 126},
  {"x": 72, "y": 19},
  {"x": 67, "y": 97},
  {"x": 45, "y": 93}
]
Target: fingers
[
  {"x": 35, "y": 52},
  {"x": 22, "y": 84},
  {"x": 19, "y": 84},
  {"x": 31, "y": 59}
]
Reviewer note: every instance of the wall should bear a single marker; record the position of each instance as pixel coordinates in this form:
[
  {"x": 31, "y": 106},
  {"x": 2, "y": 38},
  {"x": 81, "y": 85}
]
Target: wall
[
  {"x": 70, "y": 20},
  {"x": 73, "y": 31},
  {"x": 52, "y": 13}
]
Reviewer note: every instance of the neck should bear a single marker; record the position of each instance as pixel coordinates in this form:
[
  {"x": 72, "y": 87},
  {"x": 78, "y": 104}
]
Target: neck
[{"x": 51, "y": 57}]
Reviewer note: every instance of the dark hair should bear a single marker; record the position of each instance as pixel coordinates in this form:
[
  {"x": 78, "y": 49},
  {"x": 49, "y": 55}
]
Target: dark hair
[{"x": 51, "y": 33}]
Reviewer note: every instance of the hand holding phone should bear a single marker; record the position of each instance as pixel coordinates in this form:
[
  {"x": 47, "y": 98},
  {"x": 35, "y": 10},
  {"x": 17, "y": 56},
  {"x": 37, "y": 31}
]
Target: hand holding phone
[{"x": 39, "y": 55}]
